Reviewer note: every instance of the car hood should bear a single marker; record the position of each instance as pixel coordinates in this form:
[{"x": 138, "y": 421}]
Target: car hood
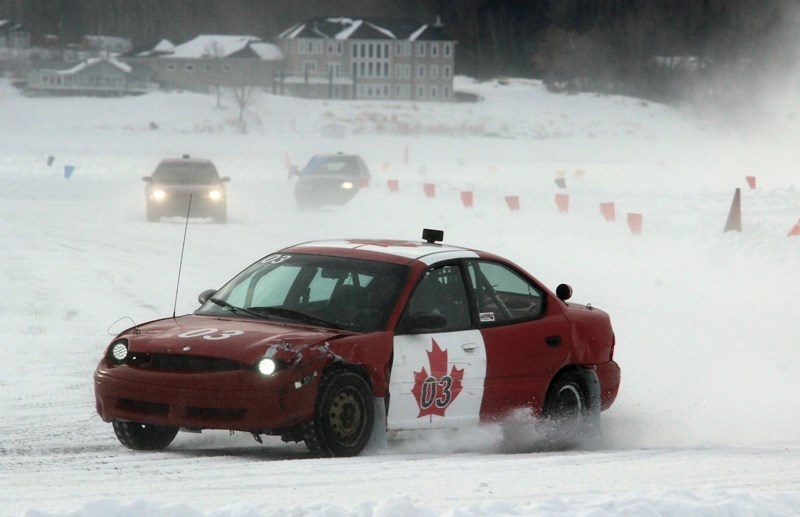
[{"x": 242, "y": 339}]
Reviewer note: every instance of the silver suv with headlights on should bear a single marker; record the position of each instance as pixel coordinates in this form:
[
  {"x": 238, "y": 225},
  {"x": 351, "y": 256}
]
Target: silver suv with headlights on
[{"x": 177, "y": 180}]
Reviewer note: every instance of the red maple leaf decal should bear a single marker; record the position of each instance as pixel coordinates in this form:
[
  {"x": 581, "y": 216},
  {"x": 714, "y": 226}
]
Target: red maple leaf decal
[{"x": 435, "y": 391}]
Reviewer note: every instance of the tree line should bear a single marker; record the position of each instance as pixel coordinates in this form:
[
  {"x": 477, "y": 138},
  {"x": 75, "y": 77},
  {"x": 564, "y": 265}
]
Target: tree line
[{"x": 659, "y": 49}]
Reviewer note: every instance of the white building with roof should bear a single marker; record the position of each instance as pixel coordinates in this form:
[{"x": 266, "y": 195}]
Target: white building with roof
[
  {"x": 342, "y": 57},
  {"x": 211, "y": 61}
]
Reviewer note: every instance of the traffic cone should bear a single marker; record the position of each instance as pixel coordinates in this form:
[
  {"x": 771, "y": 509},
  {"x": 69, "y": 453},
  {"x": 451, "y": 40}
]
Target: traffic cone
[
  {"x": 466, "y": 198},
  {"x": 635, "y": 223},
  {"x": 751, "y": 182},
  {"x": 608, "y": 211},
  {"x": 513, "y": 203},
  {"x": 734, "y": 222},
  {"x": 429, "y": 189},
  {"x": 795, "y": 231},
  {"x": 562, "y": 202}
]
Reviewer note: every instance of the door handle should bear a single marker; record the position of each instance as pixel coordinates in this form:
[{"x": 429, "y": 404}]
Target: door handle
[
  {"x": 469, "y": 348},
  {"x": 553, "y": 341}
]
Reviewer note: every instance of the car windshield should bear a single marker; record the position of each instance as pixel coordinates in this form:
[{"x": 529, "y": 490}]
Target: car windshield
[
  {"x": 186, "y": 172},
  {"x": 332, "y": 165},
  {"x": 334, "y": 292}
]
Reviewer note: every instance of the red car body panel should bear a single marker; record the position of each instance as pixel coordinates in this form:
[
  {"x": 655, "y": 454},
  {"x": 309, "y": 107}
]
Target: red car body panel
[{"x": 198, "y": 371}]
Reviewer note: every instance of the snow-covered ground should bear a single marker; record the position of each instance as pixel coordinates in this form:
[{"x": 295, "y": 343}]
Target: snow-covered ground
[{"x": 708, "y": 335}]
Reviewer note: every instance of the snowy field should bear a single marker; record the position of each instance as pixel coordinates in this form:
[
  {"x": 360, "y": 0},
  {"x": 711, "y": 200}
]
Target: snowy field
[{"x": 708, "y": 335}]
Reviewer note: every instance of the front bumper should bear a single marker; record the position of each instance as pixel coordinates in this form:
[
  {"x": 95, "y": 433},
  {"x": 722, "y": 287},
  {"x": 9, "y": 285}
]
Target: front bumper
[
  {"x": 609, "y": 376},
  {"x": 240, "y": 400}
]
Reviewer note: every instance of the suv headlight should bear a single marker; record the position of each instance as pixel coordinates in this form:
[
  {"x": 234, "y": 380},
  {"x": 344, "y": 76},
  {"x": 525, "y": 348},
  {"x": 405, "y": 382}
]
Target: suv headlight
[
  {"x": 159, "y": 195},
  {"x": 215, "y": 195}
]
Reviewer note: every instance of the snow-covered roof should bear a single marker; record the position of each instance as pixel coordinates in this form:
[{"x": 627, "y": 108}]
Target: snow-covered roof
[
  {"x": 93, "y": 61},
  {"x": 267, "y": 51},
  {"x": 344, "y": 28},
  {"x": 212, "y": 45}
]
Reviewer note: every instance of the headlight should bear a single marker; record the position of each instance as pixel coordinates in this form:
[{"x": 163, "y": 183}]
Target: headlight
[
  {"x": 347, "y": 185},
  {"x": 159, "y": 195},
  {"x": 266, "y": 367},
  {"x": 215, "y": 195},
  {"x": 118, "y": 352}
]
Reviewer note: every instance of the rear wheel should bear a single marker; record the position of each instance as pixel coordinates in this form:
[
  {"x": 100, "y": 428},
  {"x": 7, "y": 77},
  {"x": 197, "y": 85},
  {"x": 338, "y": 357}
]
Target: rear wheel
[
  {"x": 343, "y": 415},
  {"x": 144, "y": 437},
  {"x": 571, "y": 419}
]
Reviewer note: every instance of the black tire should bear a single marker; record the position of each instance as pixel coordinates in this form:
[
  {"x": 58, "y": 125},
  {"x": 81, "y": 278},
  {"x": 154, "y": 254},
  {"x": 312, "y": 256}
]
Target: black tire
[
  {"x": 571, "y": 420},
  {"x": 343, "y": 415},
  {"x": 144, "y": 437}
]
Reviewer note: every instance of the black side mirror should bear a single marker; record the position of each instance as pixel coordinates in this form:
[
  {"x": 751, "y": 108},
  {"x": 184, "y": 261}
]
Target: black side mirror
[
  {"x": 423, "y": 322},
  {"x": 224, "y": 179},
  {"x": 205, "y": 295},
  {"x": 148, "y": 179},
  {"x": 564, "y": 292}
]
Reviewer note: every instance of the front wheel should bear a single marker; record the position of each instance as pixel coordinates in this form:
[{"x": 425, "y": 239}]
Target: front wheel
[
  {"x": 144, "y": 437},
  {"x": 343, "y": 415}
]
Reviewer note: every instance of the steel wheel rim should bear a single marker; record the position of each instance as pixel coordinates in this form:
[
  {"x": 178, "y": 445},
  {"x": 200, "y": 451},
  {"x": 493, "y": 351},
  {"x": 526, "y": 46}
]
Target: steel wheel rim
[{"x": 346, "y": 416}]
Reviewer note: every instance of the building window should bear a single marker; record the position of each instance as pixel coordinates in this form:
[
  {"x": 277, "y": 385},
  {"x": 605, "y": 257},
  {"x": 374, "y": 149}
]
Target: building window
[
  {"x": 448, "y": 49},
  {"x": 434, "y": 72},
  {"x": 433, "y": 92},
  {"x": 434, "y": 49},
  {"x": 446, "y": 92},
  {"x": 420, "y": 92},
  {"x": 170, "y": 67},
  {"x": 421, "y": 72},
  {"x": 309, "y": 66},
  {"x": 447, "y": 71},
  {"x": 421, "y": 49},
  {"x": 189, "y": 67}
]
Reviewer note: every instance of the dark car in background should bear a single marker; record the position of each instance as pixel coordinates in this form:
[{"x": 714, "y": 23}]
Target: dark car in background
[
  {"x": 330, "y": 179},
  {"x": 176, "y": 180}
]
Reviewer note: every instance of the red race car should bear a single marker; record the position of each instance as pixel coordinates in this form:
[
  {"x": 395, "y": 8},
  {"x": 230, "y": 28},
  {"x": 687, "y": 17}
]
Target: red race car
[{"x": 309, "y": 341}]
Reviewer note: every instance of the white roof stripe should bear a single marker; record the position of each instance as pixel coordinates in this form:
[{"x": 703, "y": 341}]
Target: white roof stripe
[{"x": 427, "y": 253}]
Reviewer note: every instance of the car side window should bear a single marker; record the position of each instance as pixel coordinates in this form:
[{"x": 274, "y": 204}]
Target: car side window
[
  {"x": 439, "y": 303},
  {"x": 503, "y": 295}
]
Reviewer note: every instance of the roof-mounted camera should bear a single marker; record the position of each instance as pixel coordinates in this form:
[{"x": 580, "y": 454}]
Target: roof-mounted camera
[{"x": 432, "y": 236}]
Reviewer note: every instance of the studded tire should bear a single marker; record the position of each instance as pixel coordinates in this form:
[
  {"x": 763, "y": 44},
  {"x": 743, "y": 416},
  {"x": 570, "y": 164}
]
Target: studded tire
[
  {"x": 343, "y": 415},
  {"x": 144, "y": 437}
]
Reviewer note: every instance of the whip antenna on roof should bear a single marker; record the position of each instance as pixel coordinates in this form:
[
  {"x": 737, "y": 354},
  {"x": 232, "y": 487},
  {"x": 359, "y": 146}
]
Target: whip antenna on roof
[{"x": 180, "y": 265}]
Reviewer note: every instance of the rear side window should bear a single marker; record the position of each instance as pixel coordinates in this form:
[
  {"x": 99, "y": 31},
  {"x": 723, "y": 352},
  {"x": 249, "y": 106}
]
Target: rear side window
[
  {"x": 439, "y": 302},
  {"x": 503, "y": 295}
]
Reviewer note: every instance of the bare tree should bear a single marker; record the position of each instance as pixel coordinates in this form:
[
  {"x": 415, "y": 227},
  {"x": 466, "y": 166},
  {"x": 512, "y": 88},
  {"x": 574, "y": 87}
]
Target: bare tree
[{"x": 245, "y": 97}]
